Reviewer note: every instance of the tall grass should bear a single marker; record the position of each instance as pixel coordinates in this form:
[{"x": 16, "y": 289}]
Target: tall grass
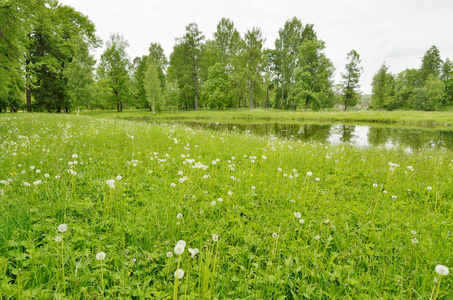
[{"x": 373, "y": 222}]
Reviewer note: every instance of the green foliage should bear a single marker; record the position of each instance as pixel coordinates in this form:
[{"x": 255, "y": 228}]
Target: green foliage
[
  {"x": 153, "y": 87},
  {"x": 447, "y": 78},
  {"x": 114, "y": 67},
  {"x": 431, "y": 95},
  {"x": 216, "y": 88},
  {"x": 79, "y": 75},
  {"x": 313, "y": 76},
  {"x": 381, "y": 88},
  {"x": 351, "y": 80},
  {"x": 431, "y": 63},
  {"x": 172, "y": 94}
]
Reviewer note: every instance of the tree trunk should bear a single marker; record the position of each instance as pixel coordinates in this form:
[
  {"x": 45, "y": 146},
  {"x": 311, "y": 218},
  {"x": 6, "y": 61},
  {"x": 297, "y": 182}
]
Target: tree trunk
[
  {"x": 28, "y": 81},
  {"x": 267, "y": 97},
  {"x": 306, "y": 104},
  {"x": 251, "y": 94},
  {"x": 195, "y": 90},
  {"x": 117, "y": 105},
  {"x": 281, "y": 101},
  {"x": 121, "y": 105}
]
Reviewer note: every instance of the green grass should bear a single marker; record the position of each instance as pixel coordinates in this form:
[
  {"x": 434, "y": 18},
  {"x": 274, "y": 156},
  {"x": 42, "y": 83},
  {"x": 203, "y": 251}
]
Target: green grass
[
  {"x": 439, "y": 118},
  {"x": 355, "y": 241}
]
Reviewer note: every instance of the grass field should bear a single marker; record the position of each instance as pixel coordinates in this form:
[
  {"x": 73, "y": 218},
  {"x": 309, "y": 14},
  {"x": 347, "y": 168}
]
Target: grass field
[
  {"x": 270, "y": 218},
  {"x": 439, "y": 118}
]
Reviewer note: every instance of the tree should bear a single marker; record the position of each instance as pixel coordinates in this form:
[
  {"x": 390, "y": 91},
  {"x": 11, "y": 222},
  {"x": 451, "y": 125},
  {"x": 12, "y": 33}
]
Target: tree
[
  {"x": 431, "y": 95},
  {"x": 381, "y": 88},
  {"x": 157, "y": 55},
  {"x": 351, "y": 80},
  {"x": 431, "y": 63},
  {"x": 114, "y": 67},
  {"x": 79, "y": 74},
  {"x": 405, "y": 83},
  {"x": 287, "y": 46},
  {"x": 447, "y": 78},
  {"x": 172, "y": 95},
  {"x": 253, "y": 55},
  {"x": 226, "y": 40},
  {"x": 153, "y": 87},
  {"x": 313, "y": 76},
  {"x": 216, "y": 87},
  {"x": 192, "y": 47}
]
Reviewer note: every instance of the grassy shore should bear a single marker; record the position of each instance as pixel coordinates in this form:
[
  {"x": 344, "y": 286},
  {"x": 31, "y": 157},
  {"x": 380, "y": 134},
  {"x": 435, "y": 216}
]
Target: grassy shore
[
  {"x": 439, "y": 118},
  {"x": 270, "y": 218}
]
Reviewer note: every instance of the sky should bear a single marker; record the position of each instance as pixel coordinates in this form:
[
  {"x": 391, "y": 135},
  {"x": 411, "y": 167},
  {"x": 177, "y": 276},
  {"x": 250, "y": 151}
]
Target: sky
[{"x": 397, "y": 32}]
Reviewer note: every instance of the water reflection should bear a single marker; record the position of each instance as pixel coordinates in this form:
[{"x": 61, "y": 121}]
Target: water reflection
[{"x": 360, "y": 135}]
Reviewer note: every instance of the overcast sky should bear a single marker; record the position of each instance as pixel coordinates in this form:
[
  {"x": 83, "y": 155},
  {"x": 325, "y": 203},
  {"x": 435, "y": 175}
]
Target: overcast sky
[{"x": 398, "y": 32}]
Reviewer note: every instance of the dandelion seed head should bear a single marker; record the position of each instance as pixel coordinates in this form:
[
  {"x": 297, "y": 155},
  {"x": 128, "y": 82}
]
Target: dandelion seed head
[{"x": 100, "y": 256}]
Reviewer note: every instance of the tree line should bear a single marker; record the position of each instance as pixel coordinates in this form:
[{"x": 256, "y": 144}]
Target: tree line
[{"x": 46, "y": 65}]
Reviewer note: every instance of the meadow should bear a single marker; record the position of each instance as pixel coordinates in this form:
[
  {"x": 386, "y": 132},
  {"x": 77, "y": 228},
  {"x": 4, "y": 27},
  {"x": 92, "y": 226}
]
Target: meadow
[
  {"x": 404, "y": 117},
  {"x": 103, "y": 208}
]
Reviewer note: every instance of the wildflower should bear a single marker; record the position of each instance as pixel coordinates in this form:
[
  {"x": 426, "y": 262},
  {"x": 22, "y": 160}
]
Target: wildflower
[
  {"x": 413, "y": 232},
  {"x": 38, "y": 171},
  {"x": 172, "y": 184},
  {"x": 179, "y": 273},
  {"x": 435, "y": 281},
  {"x": 169, "y": 254},
  {"x": 220, "y": 200},
  {"x": 74, "y": 156},
  {"x": 274, "y": 235},
  {"x": 63, "y": 228},
  {"x": 317, "y": 179},
  {"x": 253, "y": 187},
  {"x": 317, "y": 237},
  {"x": 442, "y": 270},
  {"x": 309, "y": 173},
  {"x": 292, "y": 200},
  {"x": 374, "y": 185},
  {"x": 179, "y": 173},
  {"x": 100, "y": 256},
  {"x": 327, "y": 221},
  {"x": 301, "y": 221},
  {"x": 119, "y": 177},
  {"x": 213, "y": 203},
  {"x": 215, "y": 237},
  {"x": 279, "y": 169},
  {"x": 193, "y": 252},
  {"x": 394, "y": 197},
  {"x": 415, "y": 241},
  {"x": 58, "y": 239},
  {"x": 182, "y": 242},
  {"x": 179, "y": 249},
  {"x": 46, "y": 175},
  {"x": 230, "y": 193},
  {"x": 26, "y": 184},
  {"x": 179, "y": 216},
  {"x": 297, "y": 215},
  {"x": 429, "y": 188}
]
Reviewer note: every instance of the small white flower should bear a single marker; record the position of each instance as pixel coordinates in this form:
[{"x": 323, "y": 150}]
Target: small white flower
[
  {"x": 58, "y": 239},
  {"x": 317, "y": 237},
  {"x": 47, "y": 175},
  {"x": 26, "y": 184},
  {"x": 63, "y": 228},
  {"x": 274, "y": 235},
  {"x": 297, "y": 215},
  {"x": 442, "y": 270},
  {"x": 230, "y": 193},
  {"x": 253, "y": 187},
  {"x": 169, "y": 254},
  {"x": 220, "y": 200},
  {"x": 213, "y": 203},
  {"x": 279, "y": 169},
  {"x": 301, "y": 221},
  {"x": 309, "y": 173},
  {"x": 179, "y": 216},
  {"x": 100, "y": 256},
  {"x": 393, "y": 196},
  {"x": 192, "y": 252},
  {"x": 179, "y": 173},
  {"x": 384, "y": 191},
  {"x": 74, "y": 156},
  {"x": 429, "y": 188},
  {"x": 38, "y": 171},
  {"x": 374, "y": 185},
  {"x": 327, "y": 221},
  {"x": 215, "y": 237},
  {"x": 119, "y": 177},
  {"x": 182, "y": 242},
  {"x": 179, "y": 273},
  {"x": 179, "y": 249},
  {"x": 415, "y": 241},
  {"x": 172, "y": 184},
  {"x": 317, "y": 179},
  {"x": 413, "y": 232}
]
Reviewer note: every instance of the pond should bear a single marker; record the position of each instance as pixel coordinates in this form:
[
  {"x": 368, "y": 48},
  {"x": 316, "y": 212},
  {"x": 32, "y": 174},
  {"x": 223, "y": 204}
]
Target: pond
[{"x": 410, "y": 138}]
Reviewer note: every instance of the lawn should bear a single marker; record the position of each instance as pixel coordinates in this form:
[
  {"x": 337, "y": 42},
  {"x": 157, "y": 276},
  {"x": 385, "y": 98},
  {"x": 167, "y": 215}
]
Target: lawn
[{"x": 259, "y": 217}]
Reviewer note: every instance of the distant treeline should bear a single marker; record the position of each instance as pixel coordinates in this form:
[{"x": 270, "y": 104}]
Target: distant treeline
[{"x": 46, "y": 65}]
